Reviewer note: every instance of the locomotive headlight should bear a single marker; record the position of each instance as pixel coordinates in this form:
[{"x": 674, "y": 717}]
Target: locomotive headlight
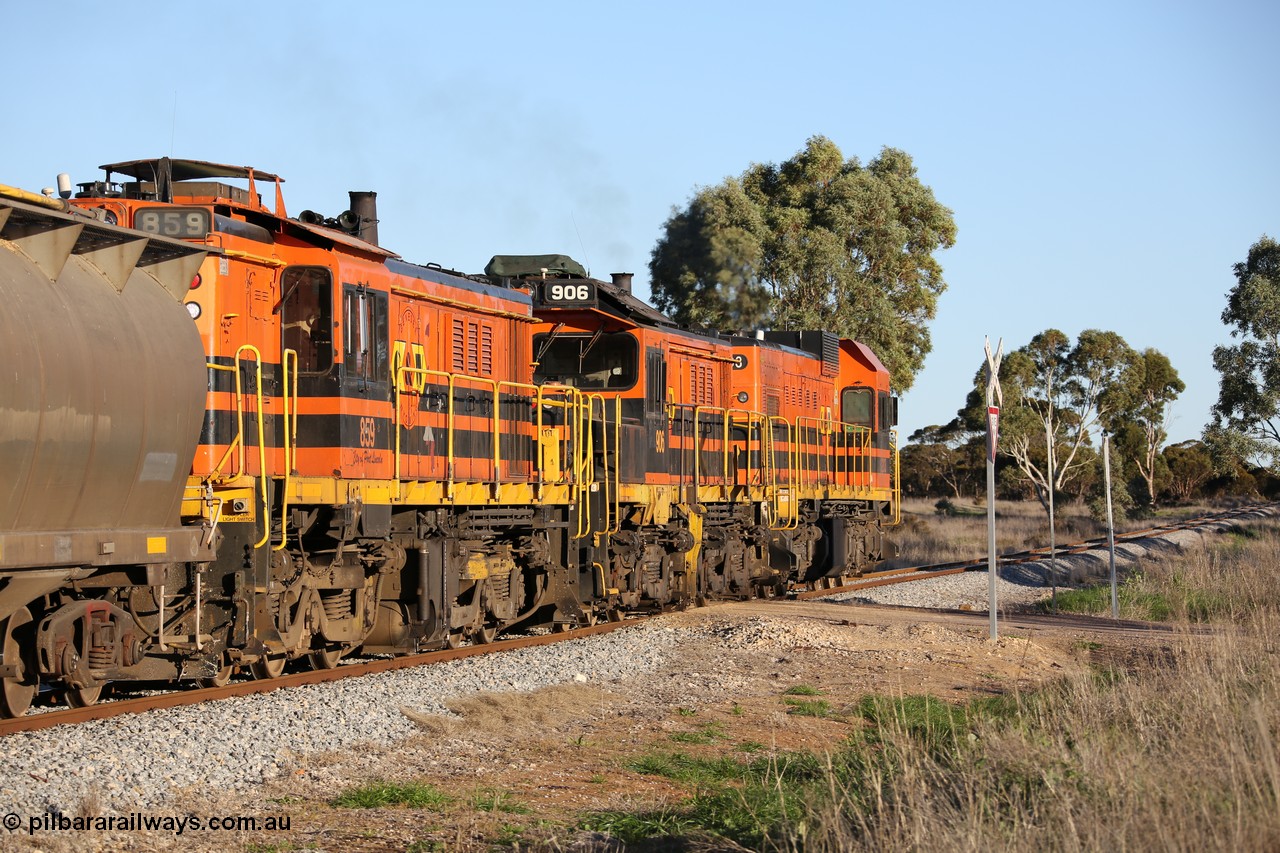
[
  {"x": 742, "y": 396},
  {"x": 193, "y": 309}
]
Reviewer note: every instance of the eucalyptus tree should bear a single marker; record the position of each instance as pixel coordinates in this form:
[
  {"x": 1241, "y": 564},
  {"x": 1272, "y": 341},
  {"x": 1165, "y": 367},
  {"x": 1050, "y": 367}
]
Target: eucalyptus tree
[
  {"x": 1190, "y": 467},
  {"x": 1055, "y": 395},
  {"x": 818, "y": 241},
  {"x": 948, "y": 454},
  {"x": 1138, "y": 421},
  {"x": 1246, "y": 418}
]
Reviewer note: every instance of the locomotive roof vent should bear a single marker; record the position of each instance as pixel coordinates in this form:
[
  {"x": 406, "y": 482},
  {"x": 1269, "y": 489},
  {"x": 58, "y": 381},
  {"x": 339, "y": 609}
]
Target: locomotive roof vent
[
  {"x": 824, "y": 345},
  {"x": 622, "y": 280},
  {"x": 533, "y": 266}
]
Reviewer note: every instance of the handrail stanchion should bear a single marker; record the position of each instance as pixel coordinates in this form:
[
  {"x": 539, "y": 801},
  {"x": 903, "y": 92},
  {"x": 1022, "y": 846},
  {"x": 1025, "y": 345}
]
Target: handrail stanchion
[
  {"x": 262, "y": 448},
  {"x": 290, "y": 439},
  {"x": 233, "y": 445},
  {"x": 617, "y": 459}
]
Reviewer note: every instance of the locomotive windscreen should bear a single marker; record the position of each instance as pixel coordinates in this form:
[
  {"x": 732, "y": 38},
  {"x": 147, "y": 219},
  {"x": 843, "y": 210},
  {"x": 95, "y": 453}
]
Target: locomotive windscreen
[{"x": 590, "y": 362}]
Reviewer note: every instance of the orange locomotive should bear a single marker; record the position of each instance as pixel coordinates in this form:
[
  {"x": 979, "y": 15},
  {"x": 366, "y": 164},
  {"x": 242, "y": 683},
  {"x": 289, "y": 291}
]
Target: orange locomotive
[
  {"x": 389, "y": 457},
  {"x": 743, "y": 464}
]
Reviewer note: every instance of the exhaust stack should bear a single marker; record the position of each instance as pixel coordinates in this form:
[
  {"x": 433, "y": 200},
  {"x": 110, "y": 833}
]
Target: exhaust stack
[{"x": 364, "y": 205}]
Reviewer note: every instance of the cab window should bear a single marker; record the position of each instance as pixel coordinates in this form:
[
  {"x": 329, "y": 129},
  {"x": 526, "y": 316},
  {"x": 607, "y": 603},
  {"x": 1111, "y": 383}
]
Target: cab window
[
  {"x": 856, "y": 406},
  {"x": 888, "y": 411},
  {"x": 306, "y": 317},
  {"x": 590, "y": 362},
  {"x": 365, "y": 316}
]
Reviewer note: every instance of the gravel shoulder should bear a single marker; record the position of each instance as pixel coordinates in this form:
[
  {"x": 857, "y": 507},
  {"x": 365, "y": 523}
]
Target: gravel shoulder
[{"x": 524, "y": 741}]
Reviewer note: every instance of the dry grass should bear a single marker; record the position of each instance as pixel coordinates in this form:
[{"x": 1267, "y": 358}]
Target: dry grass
[
  {"x": 928, "y": 536},
  {"x": 1179, "y": 753}
]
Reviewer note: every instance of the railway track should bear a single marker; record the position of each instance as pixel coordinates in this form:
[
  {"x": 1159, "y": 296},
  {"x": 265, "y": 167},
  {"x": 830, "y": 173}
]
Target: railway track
[
  {"x": 352, "y": 669},
  {"x": 355, "y": 668},
  {"x": 909, "y": 574}
]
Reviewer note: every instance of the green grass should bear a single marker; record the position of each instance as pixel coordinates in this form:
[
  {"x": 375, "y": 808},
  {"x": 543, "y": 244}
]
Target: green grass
[
  {"x": 636, "y": 827},
  {"x": 808, "y": 707},
  {"x": 1138, "y": 598},
  {"x": 378, "y": 795},
  {"x": 730, "y": 801},
  {"x": 509, "y": 836},
  {"x": 686, "y": 768},
  {"x": 1135, "y": 602},
  {"x": 704, "y": 734},
  {"x": 802, "y": 690},
  {"x": 425, "y": 846},
  {"x": 490, "y": 800},
  {"x": 750, "y": 802}
]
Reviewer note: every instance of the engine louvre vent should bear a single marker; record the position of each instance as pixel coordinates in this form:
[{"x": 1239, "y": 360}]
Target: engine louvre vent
[{"x": 824, "y": 345}]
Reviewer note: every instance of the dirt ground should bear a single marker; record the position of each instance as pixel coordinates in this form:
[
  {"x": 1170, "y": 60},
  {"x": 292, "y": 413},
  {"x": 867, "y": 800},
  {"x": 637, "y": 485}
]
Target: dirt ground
[{"x": 523, "y": 767}]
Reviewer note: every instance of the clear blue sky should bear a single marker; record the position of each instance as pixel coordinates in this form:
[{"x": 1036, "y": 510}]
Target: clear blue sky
[{"x": 1107, "y": 163}]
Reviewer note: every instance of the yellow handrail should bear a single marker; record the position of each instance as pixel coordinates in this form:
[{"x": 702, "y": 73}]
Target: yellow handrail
[
  {"x": 897, "y": 477},
  {"x": 290, "y": 438},
  {"x": 452, "y": 380},
  {"x": 730, "y": 422},
  {"x": 792, "y": 519},
  {"x": 401, "y": 372},
  {"x": 728, "y": 416},
  {"x": 262, "y": 447},
  {"x": 617, "y": 458},
  {"x": 235, "y": 442},
  {"x": 591, "y": 400},
  {"x": 586, "y": 451},
  {"x": 612, "y": 520}
]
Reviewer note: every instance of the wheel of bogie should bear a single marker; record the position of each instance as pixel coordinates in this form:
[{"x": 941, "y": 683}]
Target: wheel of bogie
[
  {"x": 221, "y": 678},
  {"x": 589, "y": 618},
  {"x": 17, "y": 693},
  {"x": 83, "y": 697},
  {"x": 614, "y": 614},
  {"x": 454, "y": 640},
  {"x": 485, "y": 635},
  {"x": 325, "y": 658},
  {"x": 270, "y": 666}
]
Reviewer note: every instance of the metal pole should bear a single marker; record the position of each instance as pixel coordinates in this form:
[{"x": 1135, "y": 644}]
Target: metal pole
[
  {"x": 991, "y": 543},
  {"x": 995, "y": 398},
  {"x": 1053, "y": 548},
  {"x": 1111, "y": 527}
]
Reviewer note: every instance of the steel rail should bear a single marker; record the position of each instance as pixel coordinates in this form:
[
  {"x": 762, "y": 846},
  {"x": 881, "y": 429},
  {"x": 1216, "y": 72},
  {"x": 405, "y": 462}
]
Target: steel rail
[
  {"x": 909, "y": 574},
  {"x": 196, "y": 696}
]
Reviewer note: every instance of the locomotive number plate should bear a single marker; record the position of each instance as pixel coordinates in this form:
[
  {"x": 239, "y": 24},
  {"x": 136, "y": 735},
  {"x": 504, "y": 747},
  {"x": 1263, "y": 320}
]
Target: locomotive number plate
[
  {"x": 180, "y": 222},
  {"x": 569, "y": 293}
]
